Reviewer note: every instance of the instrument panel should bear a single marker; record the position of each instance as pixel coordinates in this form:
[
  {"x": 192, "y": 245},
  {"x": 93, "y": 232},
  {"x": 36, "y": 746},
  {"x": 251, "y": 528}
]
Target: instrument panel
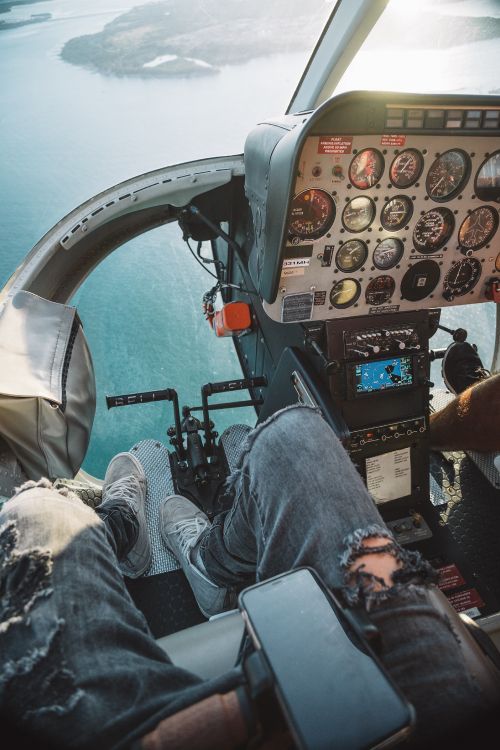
[{"x": 387, "y": 223}]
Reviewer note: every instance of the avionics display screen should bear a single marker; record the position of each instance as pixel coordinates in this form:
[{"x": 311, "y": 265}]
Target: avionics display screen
[{"x": 370, "y": 377}]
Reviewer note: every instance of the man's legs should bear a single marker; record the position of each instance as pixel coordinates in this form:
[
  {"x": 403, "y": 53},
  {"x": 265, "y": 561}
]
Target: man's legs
[
  {"x": 78, "y": 665},
  {"x": 299, "y": 501}
]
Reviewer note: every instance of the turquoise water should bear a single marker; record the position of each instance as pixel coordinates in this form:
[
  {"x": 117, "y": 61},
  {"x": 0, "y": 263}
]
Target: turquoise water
[{"x": 66, "y": 134}]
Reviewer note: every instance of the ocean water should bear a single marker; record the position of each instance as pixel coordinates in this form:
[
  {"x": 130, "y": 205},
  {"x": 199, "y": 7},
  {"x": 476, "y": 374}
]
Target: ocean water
[{"x": 66, "y": 134}]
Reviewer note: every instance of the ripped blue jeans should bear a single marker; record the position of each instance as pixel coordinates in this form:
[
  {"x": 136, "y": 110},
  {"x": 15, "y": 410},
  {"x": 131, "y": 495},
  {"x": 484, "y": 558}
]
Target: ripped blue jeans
[{"x": 78, "y": 665}]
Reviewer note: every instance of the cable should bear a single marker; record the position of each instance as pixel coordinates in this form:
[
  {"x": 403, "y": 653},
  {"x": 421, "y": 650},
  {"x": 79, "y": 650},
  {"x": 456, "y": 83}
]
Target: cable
[
  {"x": 213, "y": 275},
  {"x": 217, "y": 262},
  {"x": 221, "y": 284}
]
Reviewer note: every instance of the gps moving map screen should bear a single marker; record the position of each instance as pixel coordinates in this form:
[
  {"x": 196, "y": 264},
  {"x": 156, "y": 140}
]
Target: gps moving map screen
[{"x": 383, "y": 375}]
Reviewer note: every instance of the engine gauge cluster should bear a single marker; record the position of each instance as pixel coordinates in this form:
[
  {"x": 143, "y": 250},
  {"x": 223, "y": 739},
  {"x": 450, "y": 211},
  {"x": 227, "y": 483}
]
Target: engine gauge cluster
[{"x": 383, "y": 223}]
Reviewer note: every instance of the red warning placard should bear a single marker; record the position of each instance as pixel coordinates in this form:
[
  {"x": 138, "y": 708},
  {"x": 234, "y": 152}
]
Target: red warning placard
[
  {"x": 393, "y": 140},
  {"x": 335, "y": 144},
  {"x": 449, "y": 577},
  {"x": 463, "y": 600}
]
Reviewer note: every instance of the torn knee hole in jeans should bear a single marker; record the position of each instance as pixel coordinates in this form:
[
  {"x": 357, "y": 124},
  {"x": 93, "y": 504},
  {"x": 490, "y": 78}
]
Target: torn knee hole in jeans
[
  {"x": 39, "y": 683},
  {"x": 365, "y": 587},
  {"x": 24, "y": 577}
]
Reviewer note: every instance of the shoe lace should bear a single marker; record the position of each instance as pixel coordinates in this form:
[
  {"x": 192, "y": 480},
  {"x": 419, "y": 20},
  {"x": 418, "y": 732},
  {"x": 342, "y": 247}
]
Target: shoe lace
[
  {"x": 188, "y": 531},
  {"x": 125, "y": 488}
]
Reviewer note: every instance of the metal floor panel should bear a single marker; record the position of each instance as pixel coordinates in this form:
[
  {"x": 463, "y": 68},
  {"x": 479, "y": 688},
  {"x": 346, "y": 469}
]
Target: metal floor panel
[{"x": 155, "y": 461}]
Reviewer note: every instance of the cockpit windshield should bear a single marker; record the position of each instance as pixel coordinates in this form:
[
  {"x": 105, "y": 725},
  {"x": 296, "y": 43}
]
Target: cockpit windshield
[{"x": 430, "y": 46}]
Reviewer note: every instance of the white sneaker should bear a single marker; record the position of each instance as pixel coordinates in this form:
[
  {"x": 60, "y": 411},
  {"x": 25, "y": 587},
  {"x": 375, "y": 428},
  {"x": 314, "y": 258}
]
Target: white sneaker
[
  {"x": 125, "y": 480},
  {"x": 182, "y": 524}
]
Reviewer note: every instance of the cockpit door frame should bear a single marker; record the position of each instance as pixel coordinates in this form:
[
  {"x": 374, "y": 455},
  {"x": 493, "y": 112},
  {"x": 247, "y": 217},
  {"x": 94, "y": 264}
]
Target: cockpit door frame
[{"x": 347, "y": 28}]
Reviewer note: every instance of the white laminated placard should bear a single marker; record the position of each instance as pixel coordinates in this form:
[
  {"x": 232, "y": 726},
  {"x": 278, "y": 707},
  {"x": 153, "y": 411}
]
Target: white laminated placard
[{"x": 388, "y": 476}]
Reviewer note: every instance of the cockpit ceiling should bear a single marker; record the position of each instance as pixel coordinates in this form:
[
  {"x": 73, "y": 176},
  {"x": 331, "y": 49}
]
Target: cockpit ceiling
[{"x": 395, "y": 220}]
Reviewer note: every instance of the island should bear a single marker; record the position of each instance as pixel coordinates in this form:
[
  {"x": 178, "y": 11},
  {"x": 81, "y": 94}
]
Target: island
[
  {"x": 189, "y": 37},
  {"x": 198, "y": 37},
  {"x": 6, "y": 5}
]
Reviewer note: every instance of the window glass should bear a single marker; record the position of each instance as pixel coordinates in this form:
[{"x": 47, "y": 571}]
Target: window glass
[
  {"x": 152, "y": 335},
  {"x": 94, "y": 94},
  {"x": 430, "y": 46}
]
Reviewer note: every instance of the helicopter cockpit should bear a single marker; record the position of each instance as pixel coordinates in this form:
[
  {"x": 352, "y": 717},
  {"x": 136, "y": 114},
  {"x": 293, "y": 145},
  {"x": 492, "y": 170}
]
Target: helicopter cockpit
[{"x": 338, "y": 239}]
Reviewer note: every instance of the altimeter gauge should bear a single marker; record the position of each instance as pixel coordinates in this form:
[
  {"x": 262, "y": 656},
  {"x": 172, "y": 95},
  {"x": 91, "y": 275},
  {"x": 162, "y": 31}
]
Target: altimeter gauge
[
  {"x": 358, "y": 214},
  {"x": 345, "y": 293},
  {"x": 478, "y": 228},
  {"x": 406, "y": 168},
  {"x": 447, "y": 175},
  {"x": 366, "y": 168},
  {"x": 388, "y": 253},
  {"x": 312, "y": 214},
  {"x": 461, "y": 278},
  {"x": 380, "y": 290},
  {"x": 396, "y": 213},
  {"x": 351, "y": 255},
  {"x": 433, "y": 230}
]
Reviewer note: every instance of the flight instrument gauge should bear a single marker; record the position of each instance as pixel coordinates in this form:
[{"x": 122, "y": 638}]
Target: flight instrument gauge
[
  {"x": 420, "y": 280},
  {"x": 487, "y": 182},
  {"x": 447, "y": 175},
  {"x": 387, "y": 253},
  {"x": 497, "y": 263},
  {"x": 461, "y": 278},
  {"x": 358, "y": 214},
  {"x": 478, "y": 228},
  {"x": 345, "y": 293},
  {"x": 380, "y": 290},
  {"x": 312, "y": 214},
  {"x": 351, "y": 255},
  {"x": 433, "y": 230},
  {"x": 396, "y": 213},
  {"x": 406, "y": 168},
  {"x": 366, "y": 168}
]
